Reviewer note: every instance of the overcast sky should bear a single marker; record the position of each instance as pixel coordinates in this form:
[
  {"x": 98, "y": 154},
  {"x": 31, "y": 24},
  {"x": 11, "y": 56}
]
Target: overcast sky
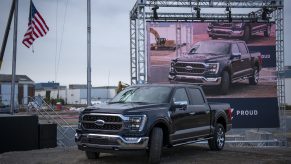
[{"x": 110, "y": 41}]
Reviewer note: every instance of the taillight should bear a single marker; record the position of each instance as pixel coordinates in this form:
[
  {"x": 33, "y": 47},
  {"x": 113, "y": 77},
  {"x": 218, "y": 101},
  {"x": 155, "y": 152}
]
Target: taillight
[
  {"x": 229, "y": 114},
  {"x": 260, "y": 59}
]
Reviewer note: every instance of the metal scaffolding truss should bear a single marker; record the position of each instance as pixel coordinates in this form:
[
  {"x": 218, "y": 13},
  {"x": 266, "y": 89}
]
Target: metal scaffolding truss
[
  {"x": 214, "y": 3},
  {"x": 205, "y": 17},
  {"x": 208, "y": 4},
  {"x": 141, "y": 13}
]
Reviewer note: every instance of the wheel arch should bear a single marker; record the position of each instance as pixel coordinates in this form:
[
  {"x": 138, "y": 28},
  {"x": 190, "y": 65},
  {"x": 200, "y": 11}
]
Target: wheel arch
[
  {"x": 161, "y": 123},
  {"x": 221, "y": 119}
]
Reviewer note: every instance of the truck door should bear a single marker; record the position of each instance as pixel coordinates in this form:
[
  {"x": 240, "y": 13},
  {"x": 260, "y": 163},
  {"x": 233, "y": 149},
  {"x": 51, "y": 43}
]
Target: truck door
[
  {"x": 236, "y": 61},
  {"x": 246, "y": 59},
  {"x": 182, "y": 121},
  {"x": 200, "y": 112}
]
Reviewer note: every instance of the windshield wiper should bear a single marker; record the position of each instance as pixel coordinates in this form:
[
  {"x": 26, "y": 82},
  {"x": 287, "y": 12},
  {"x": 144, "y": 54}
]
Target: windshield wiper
[
  {"x": 116, "y": 102},
  {"x": 138, "y": 102}
]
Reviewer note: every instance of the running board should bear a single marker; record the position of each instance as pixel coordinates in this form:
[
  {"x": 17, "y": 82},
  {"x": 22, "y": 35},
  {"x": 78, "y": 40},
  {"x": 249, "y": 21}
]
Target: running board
[{"x": 190, "y": 142}]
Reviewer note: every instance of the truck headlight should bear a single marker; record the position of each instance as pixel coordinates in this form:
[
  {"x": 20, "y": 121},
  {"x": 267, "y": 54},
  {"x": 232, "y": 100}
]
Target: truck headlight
[
  {"x": 172, "y": 69},
  {"x": 136, "y": 122},
  {"x": 213, "y": 67}
]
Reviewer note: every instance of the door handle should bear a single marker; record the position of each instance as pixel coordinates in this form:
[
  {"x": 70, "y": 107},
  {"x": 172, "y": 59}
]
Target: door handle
[
  {"x": 192, "y": 113},
  {"x": 242, "y": 60}
]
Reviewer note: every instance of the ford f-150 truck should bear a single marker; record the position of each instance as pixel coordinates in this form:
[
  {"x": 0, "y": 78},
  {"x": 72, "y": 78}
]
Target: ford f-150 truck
[
  {"x": 217, "y": 63},
  {"x": 151, "y": 116},
  {"x": 238, "y": 30}
]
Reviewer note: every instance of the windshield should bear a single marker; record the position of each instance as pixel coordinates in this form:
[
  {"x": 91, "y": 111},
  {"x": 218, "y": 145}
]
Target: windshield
[
  {"x": 215, "y": 48},
  {"x": 154, "y": 95}
]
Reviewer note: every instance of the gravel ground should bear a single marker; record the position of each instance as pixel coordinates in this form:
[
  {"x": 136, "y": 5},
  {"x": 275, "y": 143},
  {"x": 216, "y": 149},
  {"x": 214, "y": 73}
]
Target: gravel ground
[{"x": 183, "y": 154}]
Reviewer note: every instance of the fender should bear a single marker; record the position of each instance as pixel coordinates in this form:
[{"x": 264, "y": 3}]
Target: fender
[{"x": 157, "y": 121}]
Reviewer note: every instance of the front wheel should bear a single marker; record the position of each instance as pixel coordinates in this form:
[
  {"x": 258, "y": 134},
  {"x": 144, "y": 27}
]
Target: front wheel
[
  {"x": 224, "y": 85},
  {"x": 254, "y": 79},
  {"x": 155, "y": 147},
  {"x": 217, "y": 142},
  {"x": 92, "y": 155}
]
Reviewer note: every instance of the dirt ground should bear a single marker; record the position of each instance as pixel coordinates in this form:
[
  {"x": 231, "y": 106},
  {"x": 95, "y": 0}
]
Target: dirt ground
[{"x": 183, "y": 154}]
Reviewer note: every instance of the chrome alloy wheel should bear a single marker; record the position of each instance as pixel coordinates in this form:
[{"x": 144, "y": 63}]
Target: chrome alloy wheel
[
  {"x": 220, "y": 138},
  {"x": 256, "y": 76}
]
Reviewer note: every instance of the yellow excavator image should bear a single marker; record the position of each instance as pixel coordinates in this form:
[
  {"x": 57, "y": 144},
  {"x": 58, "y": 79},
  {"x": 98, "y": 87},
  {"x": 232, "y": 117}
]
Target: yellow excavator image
[{"x": 162, "y": 43}]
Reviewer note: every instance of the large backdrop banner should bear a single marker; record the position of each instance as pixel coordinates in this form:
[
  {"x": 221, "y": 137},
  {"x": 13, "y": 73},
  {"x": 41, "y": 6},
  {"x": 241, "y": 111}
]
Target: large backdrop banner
[{"x": 233, "y": 62}]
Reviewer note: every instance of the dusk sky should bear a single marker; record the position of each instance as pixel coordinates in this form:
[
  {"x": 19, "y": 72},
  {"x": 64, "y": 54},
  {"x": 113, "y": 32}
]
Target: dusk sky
[{"x": 110, "y": 41}]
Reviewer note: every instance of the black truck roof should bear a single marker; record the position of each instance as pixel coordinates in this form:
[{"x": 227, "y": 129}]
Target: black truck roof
[
  {"x": 223, "y": 41},
  {"x": 167, "y": 85}
]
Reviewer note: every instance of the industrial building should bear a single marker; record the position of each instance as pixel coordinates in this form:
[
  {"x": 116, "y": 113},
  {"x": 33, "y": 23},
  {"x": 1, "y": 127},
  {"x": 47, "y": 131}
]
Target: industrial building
[
  {"x": 76, "y": 93},
  {"x": 24, "y": 88}
]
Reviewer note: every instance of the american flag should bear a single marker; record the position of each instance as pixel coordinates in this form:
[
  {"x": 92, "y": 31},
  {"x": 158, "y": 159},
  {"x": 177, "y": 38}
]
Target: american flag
[{"x": 36, "y": 27}]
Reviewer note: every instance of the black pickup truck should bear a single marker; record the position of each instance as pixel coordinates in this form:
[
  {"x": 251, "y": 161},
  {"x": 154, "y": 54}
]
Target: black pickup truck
[
  {"x": 242, "y": 31},
  {"x": 149, "y": 117},
  {"x": 217, "y": 63}
]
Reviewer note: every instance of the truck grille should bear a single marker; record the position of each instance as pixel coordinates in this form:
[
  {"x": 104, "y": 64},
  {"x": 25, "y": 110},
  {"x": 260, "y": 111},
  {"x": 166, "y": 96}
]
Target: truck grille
[
  {"x": 190, "y": 68},
  {"x": 111, "y": 122},
  {"x": 222, "y": 25}
]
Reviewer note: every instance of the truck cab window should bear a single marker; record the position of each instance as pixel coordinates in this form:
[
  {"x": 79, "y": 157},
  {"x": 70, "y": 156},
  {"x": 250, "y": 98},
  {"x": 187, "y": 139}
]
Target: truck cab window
[
  {"x": 234, "y": 49},
  {"x": 180, "y": 96},
  {"x": 196, "y": 97},
  {"x": 242, "y": 48}
]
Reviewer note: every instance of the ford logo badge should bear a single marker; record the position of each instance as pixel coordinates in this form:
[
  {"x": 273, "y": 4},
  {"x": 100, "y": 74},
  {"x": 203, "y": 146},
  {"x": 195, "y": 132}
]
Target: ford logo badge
[
  {"x": 189, "y": 68},
  {"x": 99, "y": 122}
]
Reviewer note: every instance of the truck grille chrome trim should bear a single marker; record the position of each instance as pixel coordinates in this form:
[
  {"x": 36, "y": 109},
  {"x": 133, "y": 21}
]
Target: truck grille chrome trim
[
  {"x": 103, "y": 122},
  {"x": 190, "y": 67}
]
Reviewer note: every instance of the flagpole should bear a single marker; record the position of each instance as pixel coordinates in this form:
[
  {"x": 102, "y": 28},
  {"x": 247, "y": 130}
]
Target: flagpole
[
  {"x": 88, "y": 52},
  {"x": 14, "y": 58}
]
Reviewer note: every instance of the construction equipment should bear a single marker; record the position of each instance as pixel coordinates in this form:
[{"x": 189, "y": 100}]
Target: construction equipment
[
  {"x": 162, "y": 43},
  {"x": 121, "y": 86}
]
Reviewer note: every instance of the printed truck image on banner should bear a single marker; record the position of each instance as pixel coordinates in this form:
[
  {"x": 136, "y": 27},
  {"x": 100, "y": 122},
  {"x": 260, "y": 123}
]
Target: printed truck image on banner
[{"x": 233, "y": 62}]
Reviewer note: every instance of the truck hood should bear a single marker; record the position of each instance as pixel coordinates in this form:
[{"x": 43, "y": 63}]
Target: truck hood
[
  {"x": 125, "y": 108},
  {"x": 202, "y": 58}
]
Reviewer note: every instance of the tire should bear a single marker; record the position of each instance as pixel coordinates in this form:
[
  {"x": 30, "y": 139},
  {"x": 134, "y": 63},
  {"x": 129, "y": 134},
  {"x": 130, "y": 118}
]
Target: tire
[
  {"x": 247, "y": 34},
  {"x": 267, "y": 33},
  {"x": 214, "y": 37},
  {"x": 218, "y": 140},
  {"x": 92, "y": 155},
  {"x": 254, "y": 79},
  {"x": 225, "y": 82},
  {"x": 155, "y": 147}
]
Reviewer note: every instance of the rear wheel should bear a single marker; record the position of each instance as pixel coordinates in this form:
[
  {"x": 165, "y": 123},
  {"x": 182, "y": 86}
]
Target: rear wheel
[
  {"x": 254, "y": 79},
  {"x": 155, "y": 147},
  {"x": 218, "y": 140},
  {"x": 92, "y": 155},
  {"x": 224, "y": 85}
]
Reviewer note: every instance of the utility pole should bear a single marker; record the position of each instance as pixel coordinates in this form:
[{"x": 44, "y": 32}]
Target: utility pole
[
  {"x": 14, "y": 58},
  {"x": 88, "y": 52},
  {"x": 6, "y": 34}
]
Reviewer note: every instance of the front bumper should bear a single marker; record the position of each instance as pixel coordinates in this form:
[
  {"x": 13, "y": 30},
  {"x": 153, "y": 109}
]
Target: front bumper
[
  {"x": 110, "y": 142},
  {"x": 225, "y": 33},
  {"x": 199, "y": 80}
]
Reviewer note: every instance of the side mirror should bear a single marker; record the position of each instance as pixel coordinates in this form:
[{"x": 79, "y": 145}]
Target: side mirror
[
  {"x": 182, "y": 105},
  {"x": 236, "y": 55}
]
